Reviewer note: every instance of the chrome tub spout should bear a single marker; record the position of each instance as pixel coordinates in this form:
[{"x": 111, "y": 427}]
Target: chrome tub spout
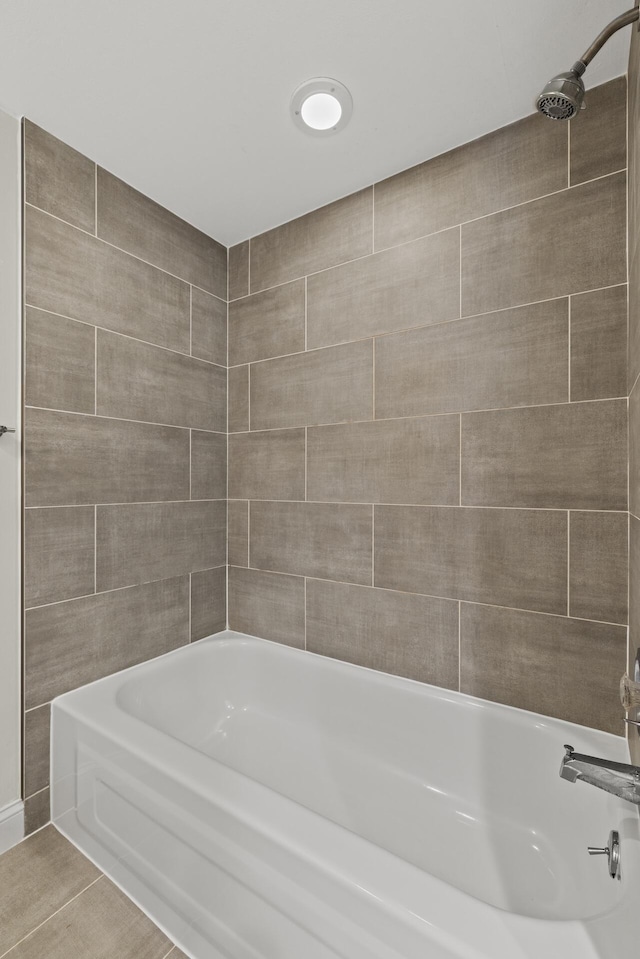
[{"x": 619, "y": 779}]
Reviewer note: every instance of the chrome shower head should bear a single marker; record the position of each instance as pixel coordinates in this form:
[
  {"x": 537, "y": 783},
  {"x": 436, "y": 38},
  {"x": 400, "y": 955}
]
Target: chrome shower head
[{"x": 563, "y": 96}]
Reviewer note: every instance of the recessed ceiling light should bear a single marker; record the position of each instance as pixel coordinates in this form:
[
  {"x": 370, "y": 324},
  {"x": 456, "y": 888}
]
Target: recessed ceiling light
[{"x": 321, "y": 106}]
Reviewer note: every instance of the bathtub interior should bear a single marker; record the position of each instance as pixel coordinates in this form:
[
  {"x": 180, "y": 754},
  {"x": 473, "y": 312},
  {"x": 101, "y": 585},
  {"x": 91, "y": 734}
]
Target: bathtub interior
[{"x": 462, "y": 789}]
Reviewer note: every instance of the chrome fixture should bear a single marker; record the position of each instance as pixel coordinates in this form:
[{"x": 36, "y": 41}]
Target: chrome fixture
[
  {"x": 563, "y": 96},
  {"x": 619, "y": 779},
  {"x": 6, "y": 429},
  {"x": 611, "y": 851}
]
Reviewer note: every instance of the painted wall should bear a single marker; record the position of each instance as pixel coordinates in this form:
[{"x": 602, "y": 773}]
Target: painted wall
[
  {"x": 125, "y": 445},
  {"x": 428, "y": 421},
  {"x": 10, "y": 518}
]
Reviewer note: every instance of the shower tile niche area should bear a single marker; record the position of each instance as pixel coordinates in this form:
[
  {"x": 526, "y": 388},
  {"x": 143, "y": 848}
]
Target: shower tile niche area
[
  {"x": 428, "y": 421},
  {"x": 125, "y": 434}
]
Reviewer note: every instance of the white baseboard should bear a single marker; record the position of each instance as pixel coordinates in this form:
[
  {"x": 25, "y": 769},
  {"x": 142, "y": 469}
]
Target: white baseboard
[{"x": 11, "y": 825}]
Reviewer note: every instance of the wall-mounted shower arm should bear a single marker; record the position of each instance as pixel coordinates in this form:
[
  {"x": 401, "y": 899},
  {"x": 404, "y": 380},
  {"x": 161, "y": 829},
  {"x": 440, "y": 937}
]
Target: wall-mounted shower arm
[
  {"x": 630, "y": 16},
  {"x": 563, "y": 96}
]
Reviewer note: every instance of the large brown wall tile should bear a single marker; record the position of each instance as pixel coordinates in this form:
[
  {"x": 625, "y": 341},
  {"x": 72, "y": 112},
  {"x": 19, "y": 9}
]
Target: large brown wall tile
[
  {"x": 73, "y": 460},
  {"x": 634, "y": 311},
  {"x": 413, "y": 285},
  {"x": 524, "y": 254},
  {"x": 239, "y": 270},
  {"x": 512, "y": 358},
  {"x": 504, "y": 556},
  {"x": 269, "y": 605},
  {"x": 208, "y": 465},
  {"x": 208, "y": 602},
  {"x": 73, "y": 643},
  {"x": 238, "y": 399},
  {"x": 58, "y": 179},
  {"x": 59, "y": 363},
  {"x": 634, "y": 623},
  {"x": 333, "y": 234},
  {"x": 268, "y": 465},
  {"x": 517, "y": 163},
  {"x": 329, "y": 541},
  {"x": 267, "y": 324},
  {"x": 74, "y": 274},
  {"x": 524, "y": 659},
  {"x": 36, "y": 749},
  {"x": 59, "y": 554},
  {"x": 634, "y": 451},
  {"x": 136, "y": 381},
  {"x": 151, "y": 541},
  {"x": 354, "y": 623},
  {"x": 324, "y": 386},
  {"x": 133, "y": 222},
  {"x": 388, "y": 461},
  {"x": 599, "y": 344},
  {"x": 599, "y": 135},
  {"x": 238, "y": 533},
  {"x": 208, "y": 327},
  {"x": 598, "y": 566},
  {"x": 549, "y": 457}
]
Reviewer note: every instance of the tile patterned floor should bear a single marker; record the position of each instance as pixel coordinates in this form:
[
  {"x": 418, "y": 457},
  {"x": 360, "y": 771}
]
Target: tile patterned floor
[{"x": 54, "y": 903}]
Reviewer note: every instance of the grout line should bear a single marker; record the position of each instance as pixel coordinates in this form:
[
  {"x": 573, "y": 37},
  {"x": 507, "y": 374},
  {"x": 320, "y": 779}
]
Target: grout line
[
  {"x": 130, "y": 336},
  {"x": 416, "y": 416},
  {"x": 568, "y": 562},
  {"x": 448, "y": 599},
  {"x": 373, "y": 544},
  {"x": 45, "y": 921},
  {"x": 569, "y": 349},
  {"x": 460, "y": 462},
  {"x": 427, "y": 326},
  {"x": 123, "y": 419},
  {"x": 329, "y": 502},
  {"x": 452, "y": 226},
  {"x": 306, "y": 313},
  {"x": 116, "y": 589},
  {"x": 459, "y": 646},
  {"x": 134, "y": 256},
  {"x": 373, "y": 218},
  {"x": 373, "y": 379},
  {"x": 460, "y": 274},
  {"x": 95, "y": 549},
  {"x": 248, "y": 534},
  {"x": 182, "y": 502}
]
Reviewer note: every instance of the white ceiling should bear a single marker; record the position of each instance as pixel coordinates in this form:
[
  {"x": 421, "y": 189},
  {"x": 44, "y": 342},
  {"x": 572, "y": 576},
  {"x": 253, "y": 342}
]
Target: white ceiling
[{"x": 188, "y": 100}]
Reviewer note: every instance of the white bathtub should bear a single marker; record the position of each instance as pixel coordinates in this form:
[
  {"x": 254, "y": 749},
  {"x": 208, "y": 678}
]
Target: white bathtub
[{"x": 260, "y": 802}]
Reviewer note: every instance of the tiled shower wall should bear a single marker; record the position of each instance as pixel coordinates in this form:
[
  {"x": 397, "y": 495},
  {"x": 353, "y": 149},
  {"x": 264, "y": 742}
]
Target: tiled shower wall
[
  {"x": 634, "y": 370},
  {"x": 125, "y": 445},
  {"x": 428, "y": 421}
]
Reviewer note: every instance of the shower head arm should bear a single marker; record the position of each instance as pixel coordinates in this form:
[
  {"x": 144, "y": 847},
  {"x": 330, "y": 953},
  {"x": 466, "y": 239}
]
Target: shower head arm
[{"x": 630, "y": 16}]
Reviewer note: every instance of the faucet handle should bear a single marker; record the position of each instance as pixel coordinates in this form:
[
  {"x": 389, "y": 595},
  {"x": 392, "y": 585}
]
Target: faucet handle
[{"x": 597, "y": 851}]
